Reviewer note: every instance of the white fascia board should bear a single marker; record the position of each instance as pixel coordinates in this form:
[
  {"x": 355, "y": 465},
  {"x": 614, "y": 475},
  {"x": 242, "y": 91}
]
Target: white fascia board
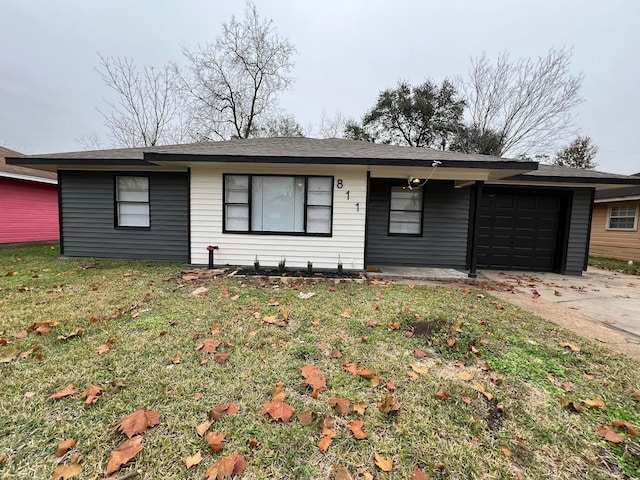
[{"x": 30, "y": 178}]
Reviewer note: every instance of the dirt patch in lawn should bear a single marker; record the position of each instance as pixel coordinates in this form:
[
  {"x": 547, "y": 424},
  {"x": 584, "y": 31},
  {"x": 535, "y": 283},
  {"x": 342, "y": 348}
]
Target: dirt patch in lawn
[{"x": 427, "y": 328}]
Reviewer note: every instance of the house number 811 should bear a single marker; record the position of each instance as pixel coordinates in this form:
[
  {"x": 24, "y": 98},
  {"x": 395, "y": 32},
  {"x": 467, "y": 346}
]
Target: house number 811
[{"x": 340, "y": 184}]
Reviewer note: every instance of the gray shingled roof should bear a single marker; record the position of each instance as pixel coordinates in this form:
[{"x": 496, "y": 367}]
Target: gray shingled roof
[
  {"x": 553, "y": 173},
  {"x": 314, "y": 150},
  {"x": 620, "y": 192},
  {"x": 14, "y": 169},
  {"x": 291, "y": 147}
]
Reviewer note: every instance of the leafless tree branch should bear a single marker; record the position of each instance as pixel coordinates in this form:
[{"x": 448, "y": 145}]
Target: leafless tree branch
[
  {"x": 529, "y": 103},
  {"x": 148, "y": 106},
  {"x": 234, "y": 82}
]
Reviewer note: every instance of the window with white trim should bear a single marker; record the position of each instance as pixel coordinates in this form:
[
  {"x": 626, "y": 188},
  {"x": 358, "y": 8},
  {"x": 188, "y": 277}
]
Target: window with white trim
[
  {"x": 622, "y": 217},
  {"x": 405, "y": 212},
  {"x": 278, "y": 204},
  {"x": 132, "y": 201}
]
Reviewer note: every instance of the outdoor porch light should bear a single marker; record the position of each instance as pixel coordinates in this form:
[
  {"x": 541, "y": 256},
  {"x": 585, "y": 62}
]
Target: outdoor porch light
[{"x": 415, "y": 182}]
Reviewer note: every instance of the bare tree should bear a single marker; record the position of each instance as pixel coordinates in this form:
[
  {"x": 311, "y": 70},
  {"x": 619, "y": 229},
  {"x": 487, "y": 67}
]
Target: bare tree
[
  {"x": 332, "y": 127},
  {"x": 148, "y": 107},
  {"x": 235, "y": 82},
  {"x": 529, "y": 103},
  {"x": 89, "y": 141}
]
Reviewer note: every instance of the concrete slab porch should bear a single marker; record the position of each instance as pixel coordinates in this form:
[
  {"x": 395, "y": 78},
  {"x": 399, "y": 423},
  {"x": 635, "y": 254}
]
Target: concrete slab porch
[{"x": 418, "y": 273}]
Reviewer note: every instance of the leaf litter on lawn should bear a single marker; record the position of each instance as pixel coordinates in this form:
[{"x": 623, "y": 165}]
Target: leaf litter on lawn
[{"x": 468, "y": 331}]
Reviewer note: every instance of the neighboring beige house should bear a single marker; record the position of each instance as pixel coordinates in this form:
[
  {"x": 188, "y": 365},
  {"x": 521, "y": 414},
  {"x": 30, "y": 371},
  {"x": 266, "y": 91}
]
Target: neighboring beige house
[{"x": 614, "y": 229}]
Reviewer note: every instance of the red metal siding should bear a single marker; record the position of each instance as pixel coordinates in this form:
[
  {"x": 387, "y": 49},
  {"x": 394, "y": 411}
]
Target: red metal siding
[{"x": 28, "y": 211}]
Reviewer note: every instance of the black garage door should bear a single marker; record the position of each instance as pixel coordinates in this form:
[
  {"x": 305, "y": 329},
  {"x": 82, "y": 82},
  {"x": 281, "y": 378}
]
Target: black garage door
[{"x": 520, "y": 230}]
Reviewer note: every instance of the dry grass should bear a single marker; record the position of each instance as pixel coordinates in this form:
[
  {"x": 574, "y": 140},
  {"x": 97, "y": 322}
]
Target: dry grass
[{"x": 525, "y": 432}]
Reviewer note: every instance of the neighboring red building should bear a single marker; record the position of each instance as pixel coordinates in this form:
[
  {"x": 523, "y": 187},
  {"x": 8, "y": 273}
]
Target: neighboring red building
[{"x": 28, "y": 203}]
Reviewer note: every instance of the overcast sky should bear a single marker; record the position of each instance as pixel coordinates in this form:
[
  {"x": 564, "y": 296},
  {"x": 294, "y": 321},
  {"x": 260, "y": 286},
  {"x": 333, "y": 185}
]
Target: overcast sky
[{"x": 348, "y": 51}]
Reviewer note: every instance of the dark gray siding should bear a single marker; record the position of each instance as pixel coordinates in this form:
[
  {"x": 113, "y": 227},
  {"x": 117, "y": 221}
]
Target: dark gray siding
[
  {"x": 578, "y": 231},
  {"x": 444, "y": 232},
  {"x": 87, "y": 218}
]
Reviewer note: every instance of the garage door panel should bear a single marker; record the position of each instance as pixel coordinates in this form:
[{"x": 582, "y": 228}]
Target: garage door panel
[{"x": 518, "y": 230}]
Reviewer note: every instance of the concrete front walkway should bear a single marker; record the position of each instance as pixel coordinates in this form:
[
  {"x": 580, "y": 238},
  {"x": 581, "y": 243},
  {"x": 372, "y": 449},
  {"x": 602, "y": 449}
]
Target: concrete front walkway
[{"x": 418, "y": 273}]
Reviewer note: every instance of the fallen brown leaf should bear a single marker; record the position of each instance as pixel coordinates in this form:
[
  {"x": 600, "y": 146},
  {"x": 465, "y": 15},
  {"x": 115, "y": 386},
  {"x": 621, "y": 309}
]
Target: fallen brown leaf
[
  {"x": 419, "y": 475},
  {"x": 384, "y": 464},
  {"x": 419, "y": 369},
  {"x": 214, "y": 440},
  {"x": 202, "y": 428},
  {"x": 64, "y": 447},
  {"x": 91, "y": 394},
  {"x": 571, "y": 346},
  {"x": 342, "y": 406},
  {"x": 278, "y": 410},
  {"x": 356, "y": 428},
  {"x": 360, "y": 407},
  {"x": 631, "y": 430},
  {"x": 609, "y": 435},
  {"x": 595, "y": 403},
  {"x": 442, "y": 395},
  {"x": 305, "y": 418},
  {"x": 123, "y": 454},
  {"x": 138, "y": 422},
  {"x": 315, "y": 379},
  {"x": 389, "y": 405},
  {"x": 341, "y": 473},
  {"x": 192, "y": 460},
  {"x": 226, "y": 467},
  {"x": 65, "y": 392},
  {"x": 63, "y": 472}
]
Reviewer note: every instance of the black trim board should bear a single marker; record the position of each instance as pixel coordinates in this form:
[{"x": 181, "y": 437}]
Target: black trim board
[
  {"x": 81, "y": 161},
  {"x": 392, "y": 162},
  {"x": 586, "y": 254},
  {"x": 533, "y": 179},
  {"x": 189, "y": 215},
  {"x": 60, "y": 234},
  {"x": 472, "y": 242}
]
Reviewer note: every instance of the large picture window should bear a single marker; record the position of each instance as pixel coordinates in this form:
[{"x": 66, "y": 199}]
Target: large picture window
[
  {"x": 278, "y": 204},
  {"x": 622, "y": 218},
  {"x": 405, "y": 212},
  {"x": 132, "y": 201}
]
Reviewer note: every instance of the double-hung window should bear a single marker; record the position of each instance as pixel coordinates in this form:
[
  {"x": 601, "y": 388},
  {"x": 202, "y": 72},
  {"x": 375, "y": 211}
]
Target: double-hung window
[
  {"x": 405, "y": 212},
  {"x": 623, "y": 218},
  {"x": 278, "y": 204},
  {"x": 132, "y": 201}
]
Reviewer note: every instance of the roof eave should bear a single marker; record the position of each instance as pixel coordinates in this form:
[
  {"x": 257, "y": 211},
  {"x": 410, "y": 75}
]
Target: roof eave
[
  {"x": 154, "y": 158},
  {"x": 63, "y": 162},
  {"x": 571, "y": 179}
]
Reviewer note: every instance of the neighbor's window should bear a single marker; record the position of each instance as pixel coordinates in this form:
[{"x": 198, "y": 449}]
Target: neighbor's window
[
  {"x": 405, "y": 214},
  {"x": 622, "y": 218},
  {"x": 132, "y": 201},
  {"x": 278, "y": 204}
]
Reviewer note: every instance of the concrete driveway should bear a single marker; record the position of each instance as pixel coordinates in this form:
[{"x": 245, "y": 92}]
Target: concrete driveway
[{"x": 607, "y": 298}]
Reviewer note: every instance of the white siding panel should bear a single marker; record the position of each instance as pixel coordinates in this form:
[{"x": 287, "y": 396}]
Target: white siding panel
[{"x": 347, "y": 239}]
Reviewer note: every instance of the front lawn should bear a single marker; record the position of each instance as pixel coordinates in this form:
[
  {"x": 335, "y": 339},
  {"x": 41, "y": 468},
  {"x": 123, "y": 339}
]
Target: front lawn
[{"x": 446, "y": 380}]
